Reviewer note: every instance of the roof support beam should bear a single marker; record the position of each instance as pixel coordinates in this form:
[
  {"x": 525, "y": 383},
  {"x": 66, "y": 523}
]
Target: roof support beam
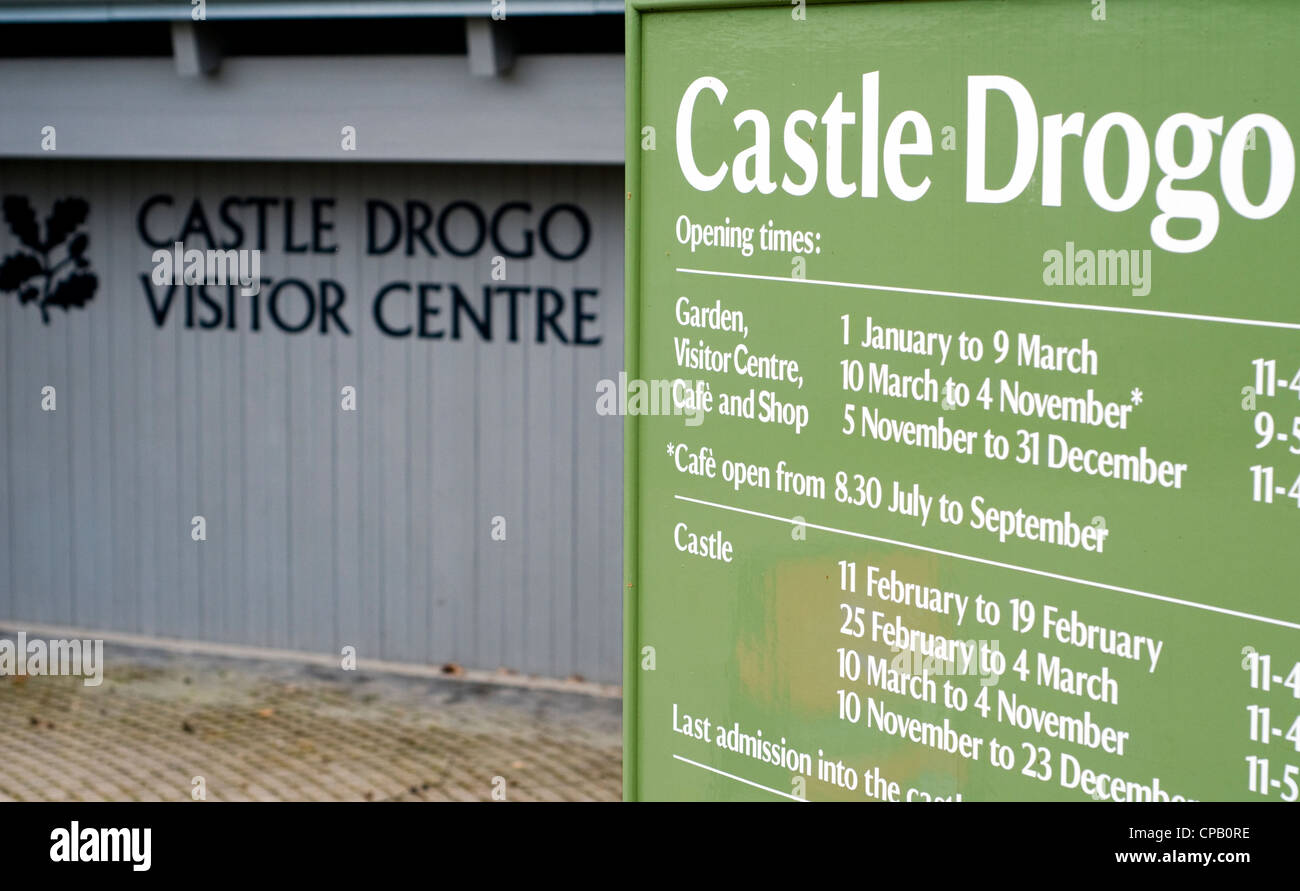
[
  {"x": 195, "y": 49},
  {"x": 491, "y": 49}
]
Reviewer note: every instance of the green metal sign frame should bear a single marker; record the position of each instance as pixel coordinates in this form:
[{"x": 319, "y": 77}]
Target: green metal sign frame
[{"x": 1195, "y": 589}]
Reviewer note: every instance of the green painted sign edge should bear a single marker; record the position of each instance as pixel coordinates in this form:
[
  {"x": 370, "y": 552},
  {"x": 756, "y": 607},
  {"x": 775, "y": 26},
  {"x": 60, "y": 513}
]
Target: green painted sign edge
[{"x": 631, "y": 353}]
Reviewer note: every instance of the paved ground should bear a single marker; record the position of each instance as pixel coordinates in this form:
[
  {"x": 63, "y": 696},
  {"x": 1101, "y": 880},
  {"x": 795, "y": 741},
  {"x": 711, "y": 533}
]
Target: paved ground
[{"x": 276, "y": 731}]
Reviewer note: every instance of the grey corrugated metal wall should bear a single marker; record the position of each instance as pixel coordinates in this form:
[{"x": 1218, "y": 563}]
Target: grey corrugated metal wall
[{"x": 325, "y": 528}]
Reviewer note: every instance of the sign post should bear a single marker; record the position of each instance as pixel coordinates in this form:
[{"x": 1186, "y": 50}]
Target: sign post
[{"x": 963, "y": 353}]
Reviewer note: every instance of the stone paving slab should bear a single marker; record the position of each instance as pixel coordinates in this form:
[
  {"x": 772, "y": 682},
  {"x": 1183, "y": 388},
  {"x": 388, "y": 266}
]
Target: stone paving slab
[{"x": 271, "y": 731}]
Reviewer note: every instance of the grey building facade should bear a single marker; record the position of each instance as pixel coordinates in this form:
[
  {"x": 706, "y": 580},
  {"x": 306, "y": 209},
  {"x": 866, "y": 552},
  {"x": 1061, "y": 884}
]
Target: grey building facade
[{"x": 393, "y": 444}]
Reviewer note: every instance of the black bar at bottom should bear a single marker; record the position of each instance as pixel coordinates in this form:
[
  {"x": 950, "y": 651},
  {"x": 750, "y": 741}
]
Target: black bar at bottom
[{"x": 604, "y": 842}]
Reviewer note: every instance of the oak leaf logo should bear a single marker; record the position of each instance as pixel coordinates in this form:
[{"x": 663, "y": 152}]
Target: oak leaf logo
[{"x": 37, "y": 274}]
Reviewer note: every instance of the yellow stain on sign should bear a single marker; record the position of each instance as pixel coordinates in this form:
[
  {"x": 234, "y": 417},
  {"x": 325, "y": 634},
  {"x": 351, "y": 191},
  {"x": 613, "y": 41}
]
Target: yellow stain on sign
[{"x": 797, "y": 620}]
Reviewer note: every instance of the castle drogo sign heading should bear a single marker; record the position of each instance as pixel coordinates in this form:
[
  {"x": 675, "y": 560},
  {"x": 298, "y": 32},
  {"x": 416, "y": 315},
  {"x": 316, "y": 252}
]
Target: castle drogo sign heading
[{"x": 1038, "y": 155}]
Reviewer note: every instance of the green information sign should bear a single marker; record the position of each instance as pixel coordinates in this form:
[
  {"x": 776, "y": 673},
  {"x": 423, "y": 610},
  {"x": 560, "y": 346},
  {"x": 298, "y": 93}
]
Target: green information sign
[{"x": 964, "y": 401}]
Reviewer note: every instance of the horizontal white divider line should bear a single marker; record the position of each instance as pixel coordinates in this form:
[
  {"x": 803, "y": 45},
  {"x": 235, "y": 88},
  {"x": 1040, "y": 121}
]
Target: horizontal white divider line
[
  {"x": 1026, "y": 569},
  {"x": 732, "y": 776},
  {"x": 1126, "y": 310}
]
